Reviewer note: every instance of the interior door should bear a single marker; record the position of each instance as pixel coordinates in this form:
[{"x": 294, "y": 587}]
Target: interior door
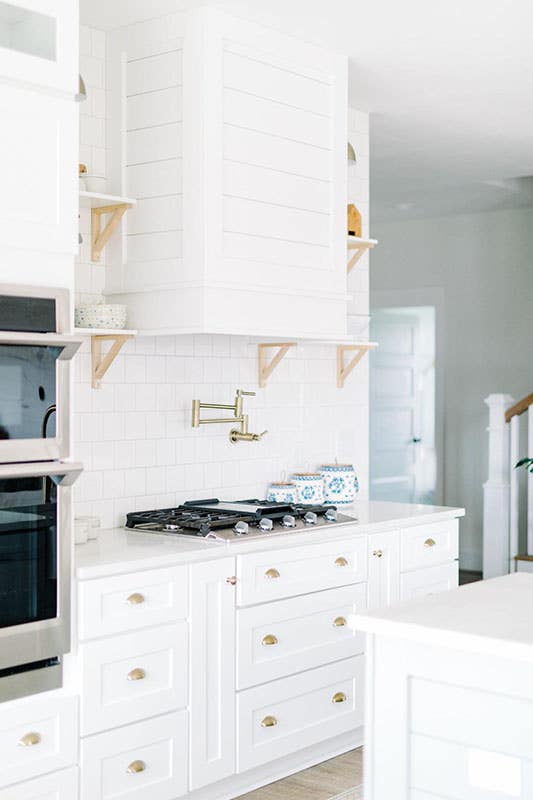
[{"x": 395, "y": 402}]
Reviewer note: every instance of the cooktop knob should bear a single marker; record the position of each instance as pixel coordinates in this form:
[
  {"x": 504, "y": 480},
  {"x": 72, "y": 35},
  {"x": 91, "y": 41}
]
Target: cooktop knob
[
  {"x": 170, "y": 527},
  {"x": 265, "y": 524},
  {"x": 331, "y": 515},
  {"x": 288, "y": 521},
  {"x": 241, "y": 528},
  {"x": 310, "y": 518}
]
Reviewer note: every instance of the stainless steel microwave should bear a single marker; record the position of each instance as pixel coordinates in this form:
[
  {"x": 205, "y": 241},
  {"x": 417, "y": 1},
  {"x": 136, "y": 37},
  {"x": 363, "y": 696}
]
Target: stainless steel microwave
[{"x": 35, "y": 354}]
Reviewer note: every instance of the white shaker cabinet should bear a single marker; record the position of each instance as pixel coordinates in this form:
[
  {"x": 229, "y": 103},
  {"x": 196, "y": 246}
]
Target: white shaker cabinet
[
  {"x": 212, "y": 672},
  {"x": 39, "y": 43},
  {"x": 251, "y": 201},
  {"x": 383, "y": 569}
]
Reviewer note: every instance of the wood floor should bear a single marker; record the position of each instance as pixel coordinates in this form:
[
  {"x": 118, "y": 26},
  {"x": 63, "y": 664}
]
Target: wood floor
[{"x": 316, "y": 783}]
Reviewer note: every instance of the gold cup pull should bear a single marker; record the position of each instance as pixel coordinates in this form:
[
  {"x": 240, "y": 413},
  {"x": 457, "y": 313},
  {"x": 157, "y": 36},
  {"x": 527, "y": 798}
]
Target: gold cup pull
[
  {"x": 232, "y": 580},
  {"x": 269, "y": 722},
  {"x": 339, "y": 622},
  {"x": 272, "y": 573},
  {"x": 30, "y": 739},
  {"x": 136, "y": 767},
  {"x": 135, "y": 599},
  {"x": 341, "y": 562},
  {"x": 430, "y": 543},
  {"x": 378, "y": 553},
  {"x": 137, "y": 674},
  {"x": 269, "y": 639},
  {"x": 338, "y": 697}
]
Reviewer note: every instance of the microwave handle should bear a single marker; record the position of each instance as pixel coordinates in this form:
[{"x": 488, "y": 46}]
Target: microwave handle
[{"x": 64, "y": 472}]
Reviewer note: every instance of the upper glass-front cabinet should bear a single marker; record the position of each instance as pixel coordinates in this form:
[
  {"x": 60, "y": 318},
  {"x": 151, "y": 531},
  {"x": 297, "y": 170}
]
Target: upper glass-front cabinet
[{"x": 39, "y": 42}]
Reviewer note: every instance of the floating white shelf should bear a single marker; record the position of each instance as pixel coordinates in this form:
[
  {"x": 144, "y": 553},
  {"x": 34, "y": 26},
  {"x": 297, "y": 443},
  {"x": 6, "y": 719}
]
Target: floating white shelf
[
  {"x": 105, "y": 332},
  {"x": 357, "y": 246},
  {"x": 100, "y": 362},
  {"x": 104, "y": 205}
]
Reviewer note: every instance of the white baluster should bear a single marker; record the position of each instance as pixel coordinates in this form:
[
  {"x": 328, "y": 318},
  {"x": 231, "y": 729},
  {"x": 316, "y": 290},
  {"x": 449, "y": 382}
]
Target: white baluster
[
  {"x": 514, "y": 431},
  {"x": 496, "y": 490}
]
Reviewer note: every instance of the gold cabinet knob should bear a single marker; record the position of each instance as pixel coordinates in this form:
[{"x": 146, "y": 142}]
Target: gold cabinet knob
[
  {"x": 272, "y": 573},
  {"x": 232, "y": 580},
  {"x": 135, "y": 599},
  {"x": 269, "y": 639},
  {"x": 378, "y": 553},
  {"x": 341, "y": 562},
  {"x": 30, "y": 739},
  {"x": 135, "y": 767},
  {"x": 269, "y": 722},
  {"x": 338, "y": 697},
  {"x": 339, "y": 622},
  {"x": 137, "y": 674},
  {"x": 430, "y": 543}
]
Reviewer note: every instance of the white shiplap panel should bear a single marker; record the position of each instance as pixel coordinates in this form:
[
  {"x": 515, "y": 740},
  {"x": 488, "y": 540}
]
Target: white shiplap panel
[
  {"x": 154, "y": 144},
  {"x": 156, "y": 214},
  {"x": 154, "y": 179},
  {"x": 277, "y": 119},
  {"x": 264, "y": 219},
  {"x": 155, "y": 246},
  {"x": 154, "y": 108},
  {"x": 269, "y": 81},
  {"x": 150, "y": 274},
  {"x": 153, "y": 73},
  {"x": 251, "y": 147},
  {"x": 245, "y": 247},
  {"x": 272, "y": 186}
]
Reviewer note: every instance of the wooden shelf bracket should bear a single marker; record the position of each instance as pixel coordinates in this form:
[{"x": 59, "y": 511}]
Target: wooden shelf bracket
[
  {"x": 266, "y": 368},
  {"x": 100, "y": 364},
  {"x": 99, "y": 236},
  {"x": 358, "y": 350},
  {"x": 358, "y": 248}
]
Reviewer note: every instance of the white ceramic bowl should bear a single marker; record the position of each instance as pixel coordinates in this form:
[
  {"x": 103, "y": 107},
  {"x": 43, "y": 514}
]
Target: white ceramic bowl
[{"x": 100, "y": 315}]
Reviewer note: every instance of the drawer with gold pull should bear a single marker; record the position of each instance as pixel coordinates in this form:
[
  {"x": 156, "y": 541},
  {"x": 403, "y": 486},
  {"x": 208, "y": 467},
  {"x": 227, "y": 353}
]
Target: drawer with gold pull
[
  {"x": 293, "y": 713},
  {"x": 37, "y": 735},
  {"x": 133, "y": 676},
  {"x": 429, "y": 545},
  {"x": 147, "y": 759},
  {"x": 121, "y": 603},
  {"x": 276, "y": 574},
  {"x": 278, "y": 639}
]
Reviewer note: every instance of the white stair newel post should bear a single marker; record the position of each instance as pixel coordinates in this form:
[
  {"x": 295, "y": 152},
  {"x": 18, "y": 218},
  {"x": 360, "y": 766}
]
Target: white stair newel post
[
  {"x": 530, "y": 481},
  {"x": 496, "y": 490},
  {"x": 514, "y": 445}
]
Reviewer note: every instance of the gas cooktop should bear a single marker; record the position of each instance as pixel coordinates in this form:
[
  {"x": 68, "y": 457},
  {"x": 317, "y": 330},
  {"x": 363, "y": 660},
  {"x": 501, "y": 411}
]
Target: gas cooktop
[{"x": 234, "y": 521}]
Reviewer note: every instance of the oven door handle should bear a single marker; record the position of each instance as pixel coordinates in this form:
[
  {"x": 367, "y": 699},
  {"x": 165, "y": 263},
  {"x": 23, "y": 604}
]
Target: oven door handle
[{"x": 63, "y": 473}]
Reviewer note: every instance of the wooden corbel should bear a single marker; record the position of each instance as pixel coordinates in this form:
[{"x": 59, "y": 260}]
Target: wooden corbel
[
  {"x": 99, "y": 236},
  {"x": 267, "y": 368}
]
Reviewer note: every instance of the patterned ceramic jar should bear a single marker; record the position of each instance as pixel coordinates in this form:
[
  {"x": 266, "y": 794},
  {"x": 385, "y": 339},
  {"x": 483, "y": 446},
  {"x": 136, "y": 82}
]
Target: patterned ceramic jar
[
  {"x": 281, "y": 492},
  {"x": 340, "y": 483},
  {"x": 309, "y": 487}
]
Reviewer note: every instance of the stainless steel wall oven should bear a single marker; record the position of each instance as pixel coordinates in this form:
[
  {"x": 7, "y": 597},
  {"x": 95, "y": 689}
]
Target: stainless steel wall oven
[{"x": 35, "y": 495}]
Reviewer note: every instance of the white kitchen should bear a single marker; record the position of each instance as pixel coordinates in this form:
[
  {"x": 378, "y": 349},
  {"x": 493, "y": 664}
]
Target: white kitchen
[{"x": 198, "y": 599}]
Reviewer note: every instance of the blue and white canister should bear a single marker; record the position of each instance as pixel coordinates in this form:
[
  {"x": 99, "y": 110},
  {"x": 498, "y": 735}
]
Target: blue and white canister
[
  {"x": 309, "y": 487},
  {"x": 281, "y": 492},
  {"x": 340, "y": 483}
]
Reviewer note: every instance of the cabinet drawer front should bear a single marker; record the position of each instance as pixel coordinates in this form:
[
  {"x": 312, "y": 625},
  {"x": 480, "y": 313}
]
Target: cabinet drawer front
[
  {"x": 428, "y": 545},
  {"x": 288, "y": 715},
  {"x": 433, "y": 580},
  {"x": 37, "y": 735},
  {"x": 133, "y": 676},
  {"x": 300, "y": 570},
  {"x": 58, "y": 786},
  {"x": 128, "y": 602},
  {"x": 279, "y": 639},
  {"x": 148, "y": 759}
]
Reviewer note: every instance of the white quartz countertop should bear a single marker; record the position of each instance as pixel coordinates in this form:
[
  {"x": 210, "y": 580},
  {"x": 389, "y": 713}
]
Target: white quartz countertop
[
  {"x": 118, "y": 550},
  {"x": 491, "y": 617}
]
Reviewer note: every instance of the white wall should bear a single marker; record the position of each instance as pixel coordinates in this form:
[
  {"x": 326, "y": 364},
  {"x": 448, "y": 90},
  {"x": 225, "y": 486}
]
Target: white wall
[
  {"x": 481, "y": 264},
  {"x": 134, "y": 435}
]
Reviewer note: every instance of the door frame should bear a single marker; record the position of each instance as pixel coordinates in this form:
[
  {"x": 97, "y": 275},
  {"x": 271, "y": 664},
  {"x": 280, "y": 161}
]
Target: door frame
[{"x": 425, "y": 296}]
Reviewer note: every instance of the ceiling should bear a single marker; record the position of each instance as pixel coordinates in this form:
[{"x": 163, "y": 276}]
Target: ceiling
[{"x": 449, "y": 87}]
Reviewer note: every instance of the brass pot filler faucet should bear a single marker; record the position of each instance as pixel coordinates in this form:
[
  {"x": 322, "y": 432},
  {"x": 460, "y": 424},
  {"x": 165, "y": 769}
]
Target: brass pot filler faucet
[{"x": 236, "y": 434}]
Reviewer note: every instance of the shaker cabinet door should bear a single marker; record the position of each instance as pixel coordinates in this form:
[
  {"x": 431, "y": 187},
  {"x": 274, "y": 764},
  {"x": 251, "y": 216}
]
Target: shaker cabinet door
[
  {"x": 38, "y": 157},
  {"x": 39, "y": 43},
  {"x": 212, "y": 672},
  {"x": 383, "y": 569}
]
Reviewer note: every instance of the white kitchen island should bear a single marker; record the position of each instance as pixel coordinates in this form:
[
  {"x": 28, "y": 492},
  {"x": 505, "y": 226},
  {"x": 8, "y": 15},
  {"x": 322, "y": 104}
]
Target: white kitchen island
[{"x": 449, "y": 709}]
